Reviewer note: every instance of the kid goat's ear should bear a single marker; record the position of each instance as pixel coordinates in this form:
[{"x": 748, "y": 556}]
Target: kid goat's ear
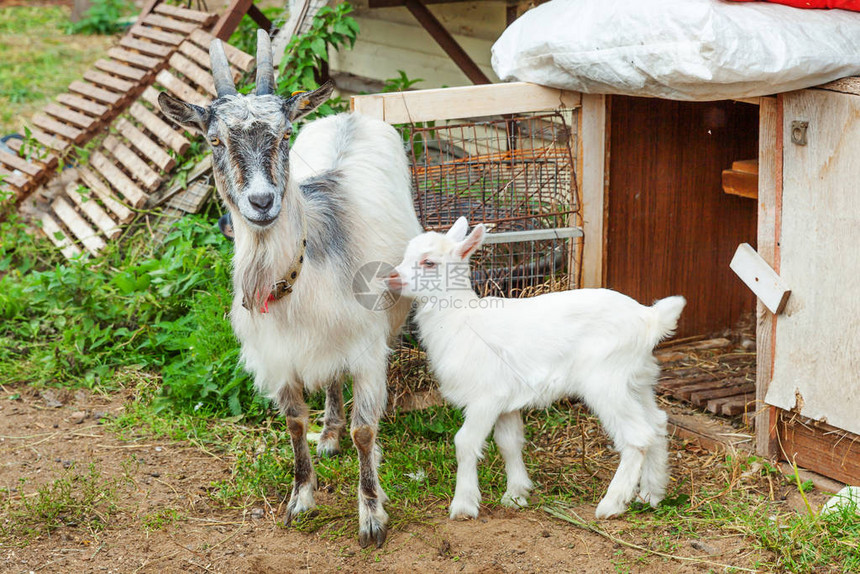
[
  {"x": 458, "y": 230},
  {"x": 471, "y": 244},
  {"x": 304, "y": 103},
  {"x": 183, "y": 113}
]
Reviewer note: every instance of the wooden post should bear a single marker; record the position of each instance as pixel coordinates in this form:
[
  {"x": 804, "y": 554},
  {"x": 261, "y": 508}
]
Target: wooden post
[
  {"x": 591, "y": 175},
  {"x": 769, "y": 189}
]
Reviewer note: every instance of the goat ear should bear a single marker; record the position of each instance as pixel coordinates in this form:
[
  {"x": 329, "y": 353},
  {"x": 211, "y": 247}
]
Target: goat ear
[
  {"x": 304, "y": 103},
  {"x": 458, "y": 230},
  {"x": 469, "y": 245},
  {"x": 183, "y": 113}
]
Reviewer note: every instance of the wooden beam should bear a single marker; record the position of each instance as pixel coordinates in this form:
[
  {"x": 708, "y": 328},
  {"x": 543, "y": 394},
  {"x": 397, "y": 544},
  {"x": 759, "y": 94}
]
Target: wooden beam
[
  {"x": 821, "y": 447},
  {"x": 591, "y": 170},
  {"x": 230, "y": 19},
  {"x": 446, "y": 41},
  {"x": 740, "y": 183},
  {"x": 769, "y": 189},
  {"x": 463, "y": 102}
]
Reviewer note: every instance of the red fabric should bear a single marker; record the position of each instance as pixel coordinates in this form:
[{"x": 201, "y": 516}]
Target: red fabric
[{"x": 828, "y": 4}]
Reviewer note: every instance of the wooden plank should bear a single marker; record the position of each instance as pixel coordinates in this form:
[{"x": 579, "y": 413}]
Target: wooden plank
[
  {"x": 150, "y": 95},
  {"x": 160, "y": 129},
  {"x": 108, "y": 81},
  {"x": 170, "y": 24},
  {"x": 103, "y": 192},
  {"x": 53, "y": 126},
  {"x": 78, "y": 226},
  {"x": 769, "y": 182},
  {"x": 202, "y": 167},
  {"x": 230, "y": 18},
  {"x": 193, "y": 198},
  {"x": 180, "y": 89},
  {"x": 591, "y": 168},
  {"x": 703, "y": 397},
  {"x": 197, "y": 54},
  {"x": 850, "y": 85},
  {"x": 740, "y": 183},
  {"x": 754, "y": 271},
  {"x": 464, "y": 102},
  {"x": 94, "y": 211},
  {"x": 685, "y": 392},
  {"x": 238, "y": 58},
  {"x": 201, "y": 18},
  {"x": 161, "y": 36},
  {"x": 78, "y": 103},
  {"x": 820, "y": 447},
  {"x": 13, "y": 162},
  {"x": 144, "y": 47},
  {"x": 118, "y": 179},
  {"x": 52, "y": 229},
  {"x": 132, "y": 164},
  {"x": 49, "y": 141},
  {"x": 146, "y": 146},
  {"x": 41, "y": 156},
  {"x": 121, "y": 70},
  {"x": 18, "y": 180},
  {"x": 734, "y": 406},
  {"x": 95, "y": 93},
  {"x": 193, "y": 72},
  {"x": 66, "y": 115},
  {"x": 139, "y": 60},
  {"x": 746, "y": 165}
]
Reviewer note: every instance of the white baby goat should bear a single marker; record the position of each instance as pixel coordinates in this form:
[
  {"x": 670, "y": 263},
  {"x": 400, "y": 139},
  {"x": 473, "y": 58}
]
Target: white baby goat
[{"x": 494, "y": 356}]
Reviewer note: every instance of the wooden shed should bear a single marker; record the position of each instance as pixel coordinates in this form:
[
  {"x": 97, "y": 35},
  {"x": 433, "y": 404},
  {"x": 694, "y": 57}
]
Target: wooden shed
[{"x": 656, "y": 220}]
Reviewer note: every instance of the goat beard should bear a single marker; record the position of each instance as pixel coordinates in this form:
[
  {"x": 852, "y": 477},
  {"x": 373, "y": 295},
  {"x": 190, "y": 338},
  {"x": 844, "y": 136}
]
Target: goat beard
[{"x": 257, "y": 277}]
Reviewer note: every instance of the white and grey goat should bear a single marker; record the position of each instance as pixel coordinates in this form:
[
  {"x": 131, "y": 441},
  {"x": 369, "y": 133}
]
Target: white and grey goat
[
  {"x": 494, "y": 356},
  {"x": 306, "y": 220}
]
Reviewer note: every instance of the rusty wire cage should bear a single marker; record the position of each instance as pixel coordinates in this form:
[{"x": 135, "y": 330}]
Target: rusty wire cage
[{"x": 515, "y": 174}]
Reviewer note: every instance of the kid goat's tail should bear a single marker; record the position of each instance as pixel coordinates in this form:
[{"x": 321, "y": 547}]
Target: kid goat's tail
[{"x": 666, "y": 314}]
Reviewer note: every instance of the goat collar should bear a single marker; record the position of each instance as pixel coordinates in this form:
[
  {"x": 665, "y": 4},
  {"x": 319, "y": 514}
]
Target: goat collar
[{"x": 284, "y": 287}]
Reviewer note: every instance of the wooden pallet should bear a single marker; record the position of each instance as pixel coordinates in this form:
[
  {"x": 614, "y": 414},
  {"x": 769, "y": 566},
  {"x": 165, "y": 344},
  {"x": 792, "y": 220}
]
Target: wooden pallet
[
  {"x": 105, "y": 91},
  {"x": 131, "y": 163},
  {"x": 711, "y": 375}
]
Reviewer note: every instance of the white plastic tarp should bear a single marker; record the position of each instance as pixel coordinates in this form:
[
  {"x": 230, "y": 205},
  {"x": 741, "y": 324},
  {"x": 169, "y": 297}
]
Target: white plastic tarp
[{"x": 678, "y": 49}]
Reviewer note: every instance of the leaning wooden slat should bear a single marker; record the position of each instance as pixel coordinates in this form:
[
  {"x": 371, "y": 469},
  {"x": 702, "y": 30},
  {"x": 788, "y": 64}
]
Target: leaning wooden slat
[
  {"x": 166, "y": 23},
  {"x": 17, "y": 180},
  {"x": 13, "y": 162},
  {"x": 159, "y": 128},
  {"x": 133, "y": 164},
  {"x": 150, "y": 95},
  {"x": 121, "y": 70},
  {"x": 53, "y": 126},
  {"x": 202, "y": 18},
  {"x": 146, "y": 146},
  {"x": 144, "y": 47},
  {"x": 235, "y": 56},
  {"x": 78, "y": 226},
  {"x": 118, "y": 179},
  {"x": 41, "y": 156},
  {"x": 201, "y": 58},
  {"x": 109, "y": 81},
  {"x": 95, "y": 93},
  {"x": 100, "y": 188},
  {"x": 63, "y": 113},
  {"x": 193, "y": 72},
  {"x": 52, "y": 229},
  {"x": 180, "y": 89},
  {"x": 94, "y": 211},
  {"x": 49, "y": 141},
  {"x": 158, "y": 35},
  {"x": 135, "y": 59},
  {"x": 82, "y": 104}
]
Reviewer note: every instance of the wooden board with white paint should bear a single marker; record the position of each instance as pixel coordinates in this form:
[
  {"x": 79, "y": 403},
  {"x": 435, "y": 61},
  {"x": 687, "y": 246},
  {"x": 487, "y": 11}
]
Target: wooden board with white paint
[
  {"x": 817, "y": 340},
  {"x": 760, "y": 277}
]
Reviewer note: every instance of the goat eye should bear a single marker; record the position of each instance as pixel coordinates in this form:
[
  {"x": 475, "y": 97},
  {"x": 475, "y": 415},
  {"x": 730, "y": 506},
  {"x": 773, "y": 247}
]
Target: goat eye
[
  {"x": 428, "y": 264},
  {"x": 214, "y": 141}
]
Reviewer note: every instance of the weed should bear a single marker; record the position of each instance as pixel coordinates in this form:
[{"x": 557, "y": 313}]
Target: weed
[
  {"x": 160, "y": 519},
  {"x": 103, "y": 17}
]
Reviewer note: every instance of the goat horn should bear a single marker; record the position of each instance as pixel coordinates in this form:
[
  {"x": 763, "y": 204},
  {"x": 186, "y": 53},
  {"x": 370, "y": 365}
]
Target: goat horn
[
  {"x": 221, "y": 70},
  {"x": 265, "y": 69}
]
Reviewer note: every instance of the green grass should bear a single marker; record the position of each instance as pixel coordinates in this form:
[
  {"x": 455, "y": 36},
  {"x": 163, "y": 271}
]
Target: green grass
[{"x": 39, "y": 59}]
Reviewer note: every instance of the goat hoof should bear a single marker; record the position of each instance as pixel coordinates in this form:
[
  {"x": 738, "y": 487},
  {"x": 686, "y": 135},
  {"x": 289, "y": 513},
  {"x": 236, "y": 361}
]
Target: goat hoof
[
  {"x": 328, "y": 448},
  {"x": 301, "y": 501},
  {"x": 515, "y": 500},
  {"x": 377, "y": 532},
  {"x": 609, "y": 509}
]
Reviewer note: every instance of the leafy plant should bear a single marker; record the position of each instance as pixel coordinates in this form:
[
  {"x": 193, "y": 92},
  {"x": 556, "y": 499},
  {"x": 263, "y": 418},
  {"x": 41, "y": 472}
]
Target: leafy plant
[{"x": 103, "y": 17}]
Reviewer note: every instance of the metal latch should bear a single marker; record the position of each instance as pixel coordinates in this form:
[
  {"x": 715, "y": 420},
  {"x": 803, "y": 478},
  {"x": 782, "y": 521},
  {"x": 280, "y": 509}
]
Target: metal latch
[{"x": 798, "y": 132}]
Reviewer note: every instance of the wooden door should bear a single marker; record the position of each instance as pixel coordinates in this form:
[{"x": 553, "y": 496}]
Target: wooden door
[{"x": 816, "y": 369}]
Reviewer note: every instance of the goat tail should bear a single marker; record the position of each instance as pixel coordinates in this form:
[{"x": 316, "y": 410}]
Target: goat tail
[{"x": 666, "y": 313}]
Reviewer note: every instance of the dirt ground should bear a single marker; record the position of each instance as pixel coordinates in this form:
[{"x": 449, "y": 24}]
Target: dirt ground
[{"x": 39, "y": 439}]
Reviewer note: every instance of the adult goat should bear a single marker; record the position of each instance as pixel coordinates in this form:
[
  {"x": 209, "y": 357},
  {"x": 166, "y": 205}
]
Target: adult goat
[{"x": 306, "y": 220}]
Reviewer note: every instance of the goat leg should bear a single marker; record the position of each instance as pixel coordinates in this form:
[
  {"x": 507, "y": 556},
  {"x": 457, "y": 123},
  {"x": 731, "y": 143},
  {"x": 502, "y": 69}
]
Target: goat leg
[
  {"x": 294, "y": 409},
  {"x": 333, "y": 421}
]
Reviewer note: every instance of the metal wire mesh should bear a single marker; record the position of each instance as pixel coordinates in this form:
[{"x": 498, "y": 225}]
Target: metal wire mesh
[{"x": 516, "y": 175}]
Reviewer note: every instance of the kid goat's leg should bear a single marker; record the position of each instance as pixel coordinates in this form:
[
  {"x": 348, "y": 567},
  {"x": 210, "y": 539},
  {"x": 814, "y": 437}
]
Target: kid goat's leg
[
  {"x": 469, "y": 442},
  {"x": 293, "y": 407},
  {"x": 655, "y": 473},
  {"x": 369, "y": 397},
  {"x": 333, "y": 421},
  {"x": 509, "y": 438}
]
